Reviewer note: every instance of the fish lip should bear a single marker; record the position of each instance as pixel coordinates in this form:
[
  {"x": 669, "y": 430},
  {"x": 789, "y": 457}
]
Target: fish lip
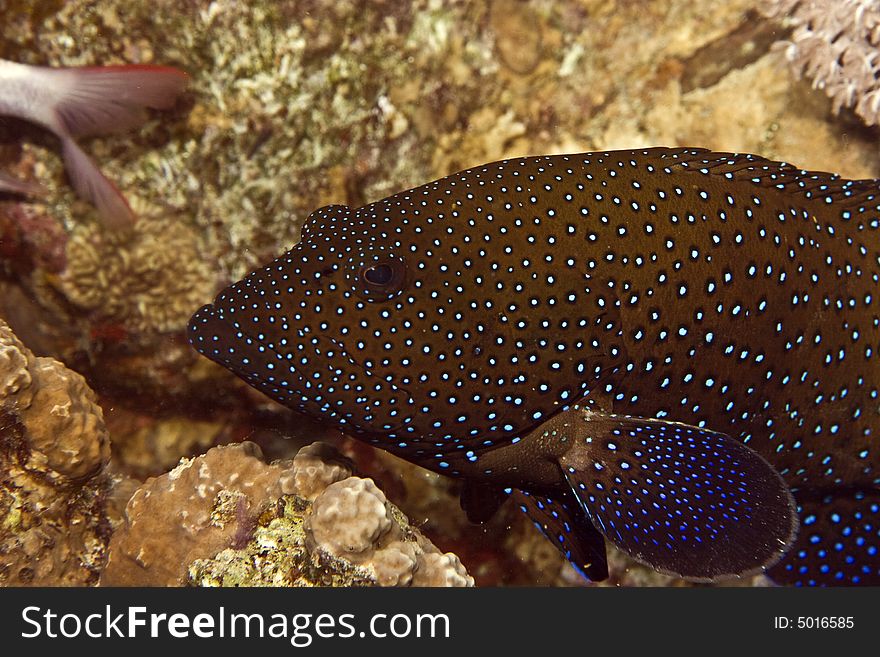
[
  {"x": 197, "y": 333},
  {"x": 194, "y": 332},
  {"x": 193, "y": 328}
]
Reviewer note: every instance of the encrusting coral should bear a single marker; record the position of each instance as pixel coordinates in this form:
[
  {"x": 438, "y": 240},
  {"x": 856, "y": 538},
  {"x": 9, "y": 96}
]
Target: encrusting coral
[
  {"x": 835, "y": 44},
  {"x": 229, "y": 519},
  {"x": 54, "y": 488},
  {"x": 200, "y": 507},
  {"x": 352, "y": 520}
]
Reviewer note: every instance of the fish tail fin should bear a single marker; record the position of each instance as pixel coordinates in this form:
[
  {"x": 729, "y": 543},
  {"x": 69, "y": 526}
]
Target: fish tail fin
[
  {"x": 563, "y": 523},
  {"x": 685, "y": 501},
  {"x": 96, "y": 188},
  {"x": 839, "y": 541},
  {"x": 105, "y": 99}
]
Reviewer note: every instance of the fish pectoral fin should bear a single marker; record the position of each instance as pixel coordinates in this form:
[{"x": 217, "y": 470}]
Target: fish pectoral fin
[
  {"x": 684, "y": 500},
  {"x": 480, "y": 501},
  {"x": 838, "y": 543},
  {"x": 562, "y": 522}
]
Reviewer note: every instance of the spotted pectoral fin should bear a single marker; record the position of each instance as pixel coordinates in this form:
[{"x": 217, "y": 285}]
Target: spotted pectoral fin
[
  {"x": 685, "y": 501},
  {"x": 566, "y": 526},
  {"x": 480, "y": 501},
  {"x": 838, "y": 543}
]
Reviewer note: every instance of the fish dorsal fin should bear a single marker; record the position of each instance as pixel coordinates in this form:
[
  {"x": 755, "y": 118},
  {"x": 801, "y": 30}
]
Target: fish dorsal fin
[
  {"x": 681, "y": 499},
  {"x": 814, "y": 186}
]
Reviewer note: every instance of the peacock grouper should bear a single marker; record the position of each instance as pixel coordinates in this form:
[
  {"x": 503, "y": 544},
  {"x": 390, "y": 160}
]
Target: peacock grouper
[{"x": 672, "y": 349}]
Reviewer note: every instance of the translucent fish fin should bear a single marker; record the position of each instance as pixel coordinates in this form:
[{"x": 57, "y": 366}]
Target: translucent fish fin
[
  {"x": 15, "y": 186},
  {"x": 838, "y": 543},
  {"x": 564, "y": 524},
  {"x": 481, "y": 501},
  {"x": 94, "y": 187},
  {"x": 100, "y": 100},
  {"x": 685, "y": 501}
]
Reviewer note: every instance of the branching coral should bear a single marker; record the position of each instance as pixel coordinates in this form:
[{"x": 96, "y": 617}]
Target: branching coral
[{"x": 835, "y": 44}]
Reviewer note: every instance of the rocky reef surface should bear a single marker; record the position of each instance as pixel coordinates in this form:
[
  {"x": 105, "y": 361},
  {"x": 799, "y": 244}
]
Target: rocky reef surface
[
  {"x": 294, "y": 104},
  {"x": 56, "y": 491},
  {"x": 227, "y": 518}
]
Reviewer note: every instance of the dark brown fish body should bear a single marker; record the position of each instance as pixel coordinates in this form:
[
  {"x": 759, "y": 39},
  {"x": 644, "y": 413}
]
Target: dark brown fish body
[{"x": 457, "y": 324}]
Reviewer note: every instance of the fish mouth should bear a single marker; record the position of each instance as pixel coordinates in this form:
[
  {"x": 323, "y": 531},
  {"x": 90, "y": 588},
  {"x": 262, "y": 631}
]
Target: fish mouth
[
  {"x": 214, "y": 335},
  {"x": 217, "y": 337}
]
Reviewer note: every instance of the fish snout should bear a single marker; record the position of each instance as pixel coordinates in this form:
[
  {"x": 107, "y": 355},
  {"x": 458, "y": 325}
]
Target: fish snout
[
  {"x": 217, "y": 337},
  {"x": 214, "y": 337},
  {"x": 200, "y": 325}
]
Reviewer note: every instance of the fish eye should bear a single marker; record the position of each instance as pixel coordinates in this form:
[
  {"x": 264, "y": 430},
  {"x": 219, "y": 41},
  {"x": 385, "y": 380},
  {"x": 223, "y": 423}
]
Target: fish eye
[
  {"x": 382, "y": 279},
  {"x": 379, "y": 275}
]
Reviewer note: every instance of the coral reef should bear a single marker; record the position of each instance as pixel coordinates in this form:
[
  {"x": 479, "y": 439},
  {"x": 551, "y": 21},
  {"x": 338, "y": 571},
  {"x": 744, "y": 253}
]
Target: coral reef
[
  {"x": 148, "y": 281},
  {"x": 835, "y": 44},
  {"x": 228, "y": 518},
  {"x": 275, "y": 556},
  {"x": 352, "y": 520},
  {"x": 194, "y": 511},
  {"x": 146, "y": 446},
  {"x": 297, "y": 104},
  {"x": 316, "y": 466},
  {"x": 54, "y": 489},
  {"x": 288, "y": 115}
]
